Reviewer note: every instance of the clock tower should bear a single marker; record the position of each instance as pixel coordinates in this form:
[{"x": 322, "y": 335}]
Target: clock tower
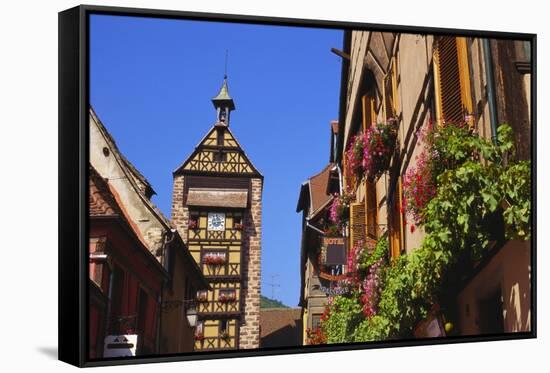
[{"x": 217, "y": 207}]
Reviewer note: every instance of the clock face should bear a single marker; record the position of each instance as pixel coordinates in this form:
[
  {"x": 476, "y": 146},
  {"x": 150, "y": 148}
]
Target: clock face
[{"x": 216, "y": 221}]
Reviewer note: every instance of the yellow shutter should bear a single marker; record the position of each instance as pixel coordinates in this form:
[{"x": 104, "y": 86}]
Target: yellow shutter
[
  {"x": 357, "y": 223},
  {"x": 396, "y": 223},
  {"x": 452, "y": 80}
]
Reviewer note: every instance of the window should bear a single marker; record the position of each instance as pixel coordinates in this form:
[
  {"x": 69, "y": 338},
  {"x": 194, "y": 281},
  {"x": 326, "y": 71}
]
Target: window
[
  {"x": 315, "y": 321},
  {"x": 223, "y": 326},
  {"x": 117, "y": 287},
  {"x": 199, "y": 330},
  {"x": 220, "y": 156},
  {"x": 452, "y": 81},
  {"x": 142, "y": 319}
]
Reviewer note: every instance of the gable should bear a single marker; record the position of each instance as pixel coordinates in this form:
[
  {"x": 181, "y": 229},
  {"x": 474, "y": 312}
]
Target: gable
[{"x": 218, "y": 153}]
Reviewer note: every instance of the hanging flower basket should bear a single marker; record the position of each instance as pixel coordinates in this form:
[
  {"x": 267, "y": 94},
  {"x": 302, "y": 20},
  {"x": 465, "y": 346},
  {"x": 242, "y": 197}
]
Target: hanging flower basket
[
  {"x": 333, "y": 231},
  {"x": 238, "y": 226},
  {"x": 199, "y": 337},
  {"x": 193, "y": 224},
  {"x": 214, "y": 259},
  {"x": 380, "y": 141},
  {"x": 339, "y": 210},
  {"x": 354, "y": 155},
  {"x": 419, "y": 187},
  {"x": 224, "y": 335}
]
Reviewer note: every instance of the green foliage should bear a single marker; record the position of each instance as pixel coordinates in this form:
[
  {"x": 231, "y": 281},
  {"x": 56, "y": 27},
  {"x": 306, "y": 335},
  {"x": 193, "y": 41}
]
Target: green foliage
[
  {"x": 378, "y": 253},
  {"x": 266, "y": 302},
  {"x": 345, "y": 313},
  {"x": 476, "y": 179}
]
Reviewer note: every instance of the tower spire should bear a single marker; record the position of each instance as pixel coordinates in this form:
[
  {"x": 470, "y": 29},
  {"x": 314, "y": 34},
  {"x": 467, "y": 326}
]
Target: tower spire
[{"x": 223, "y": 102}]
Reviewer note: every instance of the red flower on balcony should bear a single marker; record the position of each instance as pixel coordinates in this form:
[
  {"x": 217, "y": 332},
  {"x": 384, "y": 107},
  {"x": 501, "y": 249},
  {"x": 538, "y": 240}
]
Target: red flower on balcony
[
  {"x": 227, "y": 297},
  {"x": 379, "y": 145},
  {"x": 202, "y": 296},
  {"x": 214, "y": 259}
]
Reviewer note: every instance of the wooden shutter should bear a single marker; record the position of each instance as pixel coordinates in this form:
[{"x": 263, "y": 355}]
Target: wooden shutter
[
  {"x": 372, "y": 210},
  {"x": 396, "y": 223},
  {"x": 389, "y": 91},
  {"x": 357, "y": 223},
  {"x": 452, "y": 80}
]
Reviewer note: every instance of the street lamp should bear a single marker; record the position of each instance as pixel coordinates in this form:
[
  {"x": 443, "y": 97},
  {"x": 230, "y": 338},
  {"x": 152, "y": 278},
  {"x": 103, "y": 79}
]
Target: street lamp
[{"x": 192, "y": 315}]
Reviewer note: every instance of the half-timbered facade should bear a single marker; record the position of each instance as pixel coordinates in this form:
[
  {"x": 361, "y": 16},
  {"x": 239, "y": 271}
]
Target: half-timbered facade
[{"x": 216, "y": 208}]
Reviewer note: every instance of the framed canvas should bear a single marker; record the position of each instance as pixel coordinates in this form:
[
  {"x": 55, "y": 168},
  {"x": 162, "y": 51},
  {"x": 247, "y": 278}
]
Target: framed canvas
[{"x": 374, "y": 188}]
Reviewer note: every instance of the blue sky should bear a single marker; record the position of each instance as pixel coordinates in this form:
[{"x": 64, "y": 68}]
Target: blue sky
[{"x": 151, "y": 82}]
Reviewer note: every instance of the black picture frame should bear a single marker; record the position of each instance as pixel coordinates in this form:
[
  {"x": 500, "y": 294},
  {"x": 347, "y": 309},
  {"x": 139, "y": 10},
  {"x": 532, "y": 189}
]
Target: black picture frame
[{"x": 73, "y": 75}]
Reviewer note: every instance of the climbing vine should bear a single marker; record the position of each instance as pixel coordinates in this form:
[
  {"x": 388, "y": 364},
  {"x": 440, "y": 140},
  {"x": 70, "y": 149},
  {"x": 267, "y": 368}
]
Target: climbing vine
[{"x": 476, "y": 180}]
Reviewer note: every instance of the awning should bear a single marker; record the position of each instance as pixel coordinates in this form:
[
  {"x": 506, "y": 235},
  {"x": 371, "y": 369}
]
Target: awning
[{"x": 216, "y": 197}]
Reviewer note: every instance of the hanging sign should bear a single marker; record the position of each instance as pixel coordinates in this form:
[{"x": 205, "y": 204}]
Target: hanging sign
[
  {"x": 334, "y": 290},
  {"x": 120, "y": 345},
  {"x": 332, "y": 258}
]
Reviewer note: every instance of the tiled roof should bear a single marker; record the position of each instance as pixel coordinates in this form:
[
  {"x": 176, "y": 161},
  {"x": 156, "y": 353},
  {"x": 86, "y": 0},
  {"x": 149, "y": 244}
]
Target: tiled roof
[
  {"x": 146, "y": 188},
  {"x": 101, "y": 200},
  {"x": 318, "y": 189},
  {"x": 280, "y": 327}
]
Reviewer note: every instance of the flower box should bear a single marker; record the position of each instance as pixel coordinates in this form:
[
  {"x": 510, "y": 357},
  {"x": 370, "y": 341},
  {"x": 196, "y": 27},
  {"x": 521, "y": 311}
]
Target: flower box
[
  {"x": 202, "y": 296},
  {"x": 214, "y": 259},
  {"x": 227, "y": 297}
]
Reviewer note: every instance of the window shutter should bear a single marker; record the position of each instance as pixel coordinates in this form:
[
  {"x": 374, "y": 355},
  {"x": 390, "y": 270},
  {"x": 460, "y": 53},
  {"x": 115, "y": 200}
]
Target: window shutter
[
  {"x": 390, "y": 87},
  {"x": 388, "y": 96},
  {"x": 357, "y": 223},
  {"x": 452, "y": 80},
  {"x": 396, "y": 227},
  {"x": 372, "y": 210}
]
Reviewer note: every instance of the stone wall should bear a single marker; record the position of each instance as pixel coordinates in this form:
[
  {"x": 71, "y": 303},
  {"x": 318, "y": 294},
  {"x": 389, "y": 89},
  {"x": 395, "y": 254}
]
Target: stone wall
[
  {"x": 249, "y": 333},
  {"x": 180, "y": 213}
]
